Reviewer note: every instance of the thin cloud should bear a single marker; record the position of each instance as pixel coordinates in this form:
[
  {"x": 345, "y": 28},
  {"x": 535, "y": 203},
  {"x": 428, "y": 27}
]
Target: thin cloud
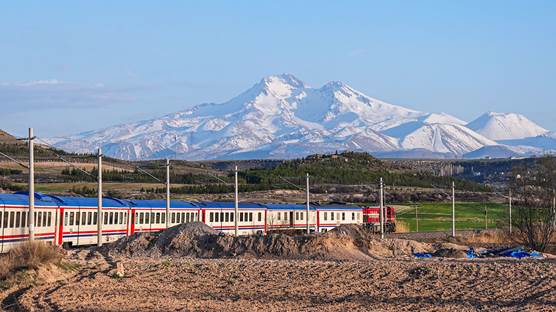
[{"x": 53, "y": 93}]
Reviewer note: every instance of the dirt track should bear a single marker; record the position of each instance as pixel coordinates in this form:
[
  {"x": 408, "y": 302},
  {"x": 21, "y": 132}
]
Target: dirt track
[{"x": 277, "y": 285}]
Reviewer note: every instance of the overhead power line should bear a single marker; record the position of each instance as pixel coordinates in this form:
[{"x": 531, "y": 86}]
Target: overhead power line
[
  {"x": 15, "y": 160},
  {"x": 65, "y": 160}
]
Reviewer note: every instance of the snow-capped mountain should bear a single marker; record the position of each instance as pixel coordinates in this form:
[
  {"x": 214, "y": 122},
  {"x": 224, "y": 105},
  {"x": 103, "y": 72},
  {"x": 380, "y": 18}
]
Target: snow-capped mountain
[
  {"x": 282, "y": 117},
  {"x": 505, "y": 126},
  {"x": 441, "y": 133}
]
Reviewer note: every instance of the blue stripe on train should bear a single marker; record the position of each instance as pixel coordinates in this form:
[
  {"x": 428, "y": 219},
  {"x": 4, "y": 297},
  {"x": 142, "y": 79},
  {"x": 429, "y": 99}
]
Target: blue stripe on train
[
  {"x": 93, "y": 234},
  {"x": 25, "y": 239}
]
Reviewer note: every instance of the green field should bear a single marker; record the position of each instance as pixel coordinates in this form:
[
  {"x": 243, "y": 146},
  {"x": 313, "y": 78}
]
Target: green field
[{"x": 438, "y": 216}]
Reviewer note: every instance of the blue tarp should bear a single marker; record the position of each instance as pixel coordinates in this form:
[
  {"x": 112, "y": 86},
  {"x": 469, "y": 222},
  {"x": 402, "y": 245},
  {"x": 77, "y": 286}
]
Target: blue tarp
[{"x": 519, "y": 253}]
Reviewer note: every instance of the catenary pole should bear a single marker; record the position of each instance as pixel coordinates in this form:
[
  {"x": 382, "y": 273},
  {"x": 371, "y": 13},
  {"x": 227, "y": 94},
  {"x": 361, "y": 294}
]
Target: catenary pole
[
  {"x": 307, "y": 186},
  {"x": 416, "y": 219},
  {"x": 236, "y": 206},
  {"x": 31, "y": 186},
  {"x": 554, "y": 208},
  {"x": 100, "y": 218},
  {"x": 381, "y": 209},
  {"x": 167, "y": 193},
  {"x": 453, "y": 209},
  {"x": 510, "y": 204}
]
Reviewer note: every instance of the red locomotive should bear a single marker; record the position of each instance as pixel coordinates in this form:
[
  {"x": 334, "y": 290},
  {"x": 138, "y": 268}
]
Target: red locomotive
[{"x": 371, "y": 218}]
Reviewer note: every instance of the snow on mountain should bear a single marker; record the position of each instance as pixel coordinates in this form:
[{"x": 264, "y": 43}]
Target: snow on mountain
[
  {"x": 505, "y": 126},
  {"x": 282, "y": 117},
  {"x": 440, "y": 133},
  {"x": 279, "y": 117},
  {"x": 544, "y": 142}
]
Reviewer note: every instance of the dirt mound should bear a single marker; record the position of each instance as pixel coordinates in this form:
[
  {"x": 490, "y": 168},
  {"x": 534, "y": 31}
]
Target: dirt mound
[{"x": 346, "y": 242}]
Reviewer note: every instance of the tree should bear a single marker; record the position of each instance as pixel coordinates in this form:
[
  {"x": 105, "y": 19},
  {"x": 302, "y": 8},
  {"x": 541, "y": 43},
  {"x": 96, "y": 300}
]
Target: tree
[{"x": 534, "y": 188}]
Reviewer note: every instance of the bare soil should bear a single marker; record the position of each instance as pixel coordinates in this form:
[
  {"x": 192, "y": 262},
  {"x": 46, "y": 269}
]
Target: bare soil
[
  {"x": 192, "y": 268},
  {"x": 304, "y": 285}
]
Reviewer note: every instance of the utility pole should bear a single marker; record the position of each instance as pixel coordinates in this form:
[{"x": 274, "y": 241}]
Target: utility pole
[
  {"x": 416, "y": 219},
  {"x": 31, "y": 186},
  {"x": 236, "y": 204},
  {"x": 453, "y": 209},
  {"x": 307, "y": 186},
  {"x": 510, "y": 202},
  {"x": 553, "y": 208},
  {"x": 381, "y": 209},
  {"x": 167, "y": 193},
  {"x": 100, "y": 218},
  {"x": 486, "y": 218}
]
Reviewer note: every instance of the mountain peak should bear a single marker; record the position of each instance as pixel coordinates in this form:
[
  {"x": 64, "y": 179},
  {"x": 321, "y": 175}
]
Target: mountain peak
[
  {"x": 505, "y": 126},
  {"x": 282, "y": 85}
]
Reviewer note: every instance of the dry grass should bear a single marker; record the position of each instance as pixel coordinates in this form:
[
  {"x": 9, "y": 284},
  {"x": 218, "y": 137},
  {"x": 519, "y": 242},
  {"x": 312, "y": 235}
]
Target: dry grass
[
  {"x": 28, "y": 255},
  {"x": 402, "y": 227}
]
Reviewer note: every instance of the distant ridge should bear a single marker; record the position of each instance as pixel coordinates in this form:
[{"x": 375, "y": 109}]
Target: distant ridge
[{"x": 6, "y": 138}]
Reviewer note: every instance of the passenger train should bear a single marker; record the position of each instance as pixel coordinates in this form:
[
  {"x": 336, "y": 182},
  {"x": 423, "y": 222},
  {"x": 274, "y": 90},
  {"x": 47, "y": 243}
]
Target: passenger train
[{"x": 72, "y": 221}]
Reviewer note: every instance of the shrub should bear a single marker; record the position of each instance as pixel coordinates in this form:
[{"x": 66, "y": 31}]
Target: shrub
[{"x": 28, "y": 255}]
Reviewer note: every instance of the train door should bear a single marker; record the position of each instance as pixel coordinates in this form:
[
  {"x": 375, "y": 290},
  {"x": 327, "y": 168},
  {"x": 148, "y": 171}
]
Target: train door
[
  {"x": 60, "y": 230},
  {"x": 2, "y": 218},
  {"x": 131, "y": 221}
]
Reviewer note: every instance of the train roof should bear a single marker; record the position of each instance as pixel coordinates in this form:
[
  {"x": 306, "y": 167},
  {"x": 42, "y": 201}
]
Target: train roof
[
  {"x": 223, "y": 204},
  {"x": 283, "y": 206},
  {"x": 22, "y": 199}
]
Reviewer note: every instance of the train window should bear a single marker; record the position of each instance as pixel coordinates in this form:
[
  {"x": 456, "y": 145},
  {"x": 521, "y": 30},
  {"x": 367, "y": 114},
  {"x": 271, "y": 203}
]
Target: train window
[
  {"x": 39, "y": 224},
  {"x": 125, "y": 217},
  {"x": 83, "y": 218},
  {"x": 34, "y": 217},
  {"x": 1, "y": 220},
  {"x": 77, "y": 218},
  {"x": 343, "y": 215},
  {"x": 6, "y": 218},
  {"x": 105, "y": 218},
  {"x": 23, "y": 219},
  {"x": 66, "y": 217},
  {"x": 141, "y": 218},
  {"x": 44, "y": 218},
  {"x": 221, "y": 217},
  {"x": 285, "y": 216},
  {"x": 179, "y": 217},
  {"x": 71, "y": 218},
  {"x": 227, "y": 217},
  {"x": 216, "y": 217},
  {"x": 111, "y": 218},
  {"x": 250, "y": 217},
  {"x": 296, "y": 215},
  {"x": 147, "y": 218},
  {"x": 260, "y": 216},
  {"x": 278, "y": 215},
  {"x": 332, "y": 216},
  {"x": 173, "y": 217},
  {"x": 95, "y": 218},
  {"x": 12, "y": 219},
  {"x": 49, "y": 219},
  {"x": 18, "y": 219},
  {"x": 241, "y": 217},
  {"x": 325, "y": 216},
  {"x": 163, "y": 219},
  {"x": 183, "y": 220},
  {"x": 89, "y": 218},
  {"x": 353, "y": 216},
  {"x": 211, "y": 217}
]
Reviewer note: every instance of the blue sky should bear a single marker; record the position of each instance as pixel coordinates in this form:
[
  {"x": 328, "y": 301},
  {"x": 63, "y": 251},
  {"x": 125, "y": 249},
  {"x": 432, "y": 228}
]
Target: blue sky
[{"x": 71, "y": 66}]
